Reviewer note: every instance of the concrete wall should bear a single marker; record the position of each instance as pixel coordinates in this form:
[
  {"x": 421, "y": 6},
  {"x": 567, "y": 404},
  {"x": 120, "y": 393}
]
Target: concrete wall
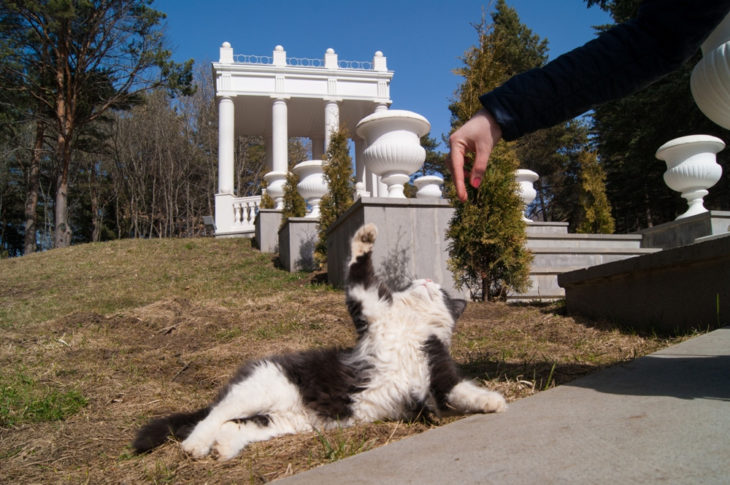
[
  {"x": 297, "y": 239},
  {"x": 411, "y": 240},
  {"x": 267, "y": 230},
  {"x": 679, "y": 288}
]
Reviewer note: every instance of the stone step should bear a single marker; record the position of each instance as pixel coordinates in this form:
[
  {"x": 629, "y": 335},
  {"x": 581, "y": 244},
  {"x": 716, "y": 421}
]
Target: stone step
[
  {"x": 569, "y": 241},
  {"x": 582, "y": 257},
  {"x": 548, "y": 263},
  {"x": 546, "y": 228}
]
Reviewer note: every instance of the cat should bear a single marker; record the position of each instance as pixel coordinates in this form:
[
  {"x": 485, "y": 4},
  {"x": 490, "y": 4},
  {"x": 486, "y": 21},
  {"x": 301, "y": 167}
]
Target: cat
[{"x": 399, "y": 368}]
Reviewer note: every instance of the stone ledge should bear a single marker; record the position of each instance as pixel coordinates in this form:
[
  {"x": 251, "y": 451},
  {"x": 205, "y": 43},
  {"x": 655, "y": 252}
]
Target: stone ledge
[{"x": 681, "y": 288}]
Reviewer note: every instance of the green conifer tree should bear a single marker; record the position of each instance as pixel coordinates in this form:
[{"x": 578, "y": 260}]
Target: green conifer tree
[
  {"x": 266, "y": 201},
  {"x": 487, "y": 234},
  {"x": 593, "y": 200},
  {"x": 340, "y": 182},
  {"x": 294, "y": 204}
]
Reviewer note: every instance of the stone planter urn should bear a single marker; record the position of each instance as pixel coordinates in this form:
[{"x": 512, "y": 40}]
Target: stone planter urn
[
  {"x": 393, "y": 146},
  {"x": 312, "y": 185},
  {"x": 525, "y": 178},
  {"x": 691, "y": 168},
  {"x": 429, "y": 187},
  {"x": 710, "y": 81},
  {"x": 275, "y": 182}
]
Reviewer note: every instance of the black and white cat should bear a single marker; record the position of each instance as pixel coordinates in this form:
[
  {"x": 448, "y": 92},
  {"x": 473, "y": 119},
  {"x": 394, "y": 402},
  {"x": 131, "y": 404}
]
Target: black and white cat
[{"x": 399, "y": 367}]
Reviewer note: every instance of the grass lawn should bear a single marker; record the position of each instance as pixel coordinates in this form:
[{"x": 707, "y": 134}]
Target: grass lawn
[{"x": 98, "y": 338}]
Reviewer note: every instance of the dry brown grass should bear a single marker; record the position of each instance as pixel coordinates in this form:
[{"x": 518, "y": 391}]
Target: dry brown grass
[{"x": 144, "y": 328}]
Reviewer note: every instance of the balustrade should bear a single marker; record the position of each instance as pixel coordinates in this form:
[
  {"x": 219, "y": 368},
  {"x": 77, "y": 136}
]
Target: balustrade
[{"x": 244, "y": 212}]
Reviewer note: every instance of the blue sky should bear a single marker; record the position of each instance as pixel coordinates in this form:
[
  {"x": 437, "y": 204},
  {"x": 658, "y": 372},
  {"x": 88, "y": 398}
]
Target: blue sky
[{"x": 423, "y": 40}]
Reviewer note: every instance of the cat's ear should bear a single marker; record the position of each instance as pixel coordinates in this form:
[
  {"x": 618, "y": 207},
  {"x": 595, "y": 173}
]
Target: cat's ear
[{"x": 456, "y": 307}]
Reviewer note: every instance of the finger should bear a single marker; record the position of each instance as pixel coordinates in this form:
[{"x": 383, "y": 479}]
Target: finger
[
  {"x": 481, "y": 157},
  {"x": 456, "y": 161}
]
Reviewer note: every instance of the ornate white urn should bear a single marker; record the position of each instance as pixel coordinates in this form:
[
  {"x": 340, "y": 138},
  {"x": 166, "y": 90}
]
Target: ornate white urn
[
  {"x": 710, "y": 81},
  {"x": 393, "y": 146},
  {"x": 525, "y": 178},
  {"x": 429, "y": 187},
  {"x": 691, "y": 168},
  {"x": 312, "y": 185},
  {"x": 275, "y": 182}
]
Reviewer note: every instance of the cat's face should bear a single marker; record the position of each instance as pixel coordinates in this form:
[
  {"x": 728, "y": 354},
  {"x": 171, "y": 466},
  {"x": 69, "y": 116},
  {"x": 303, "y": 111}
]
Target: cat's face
[{"x": 434, "y": 299}]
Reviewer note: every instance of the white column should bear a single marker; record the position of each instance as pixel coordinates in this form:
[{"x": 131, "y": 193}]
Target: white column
[
  {"x": 224, "y": 210},
  {"x": 381, "y": 107},
  {"x": 225, "y": 145},
  {"x": 279, "y": 152},
  {"x": 331, "y": 121},
  {"x": 280, "y": 136}
]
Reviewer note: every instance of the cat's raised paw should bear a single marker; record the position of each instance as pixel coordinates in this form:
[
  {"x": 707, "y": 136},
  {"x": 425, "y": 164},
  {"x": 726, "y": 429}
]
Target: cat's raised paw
[{"x": 364, "y": 239}]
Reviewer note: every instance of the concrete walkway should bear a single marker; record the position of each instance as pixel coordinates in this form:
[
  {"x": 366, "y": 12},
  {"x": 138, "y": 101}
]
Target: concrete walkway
[{"x": 664, "y": 418}]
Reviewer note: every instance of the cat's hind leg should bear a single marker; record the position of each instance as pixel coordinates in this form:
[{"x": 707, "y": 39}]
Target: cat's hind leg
[
  {"x": 263, "y": 392},
  {"x": 467, "y": 397},
  {"x": 235, "y": 436}
]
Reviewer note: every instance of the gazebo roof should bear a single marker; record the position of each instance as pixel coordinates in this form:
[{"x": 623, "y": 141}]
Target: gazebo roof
[{"x": 306, "y": 84}]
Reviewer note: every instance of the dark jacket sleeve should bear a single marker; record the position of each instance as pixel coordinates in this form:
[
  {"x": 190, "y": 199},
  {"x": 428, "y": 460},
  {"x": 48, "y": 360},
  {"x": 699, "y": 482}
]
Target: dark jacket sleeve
[{"x": 620, "y": 61}]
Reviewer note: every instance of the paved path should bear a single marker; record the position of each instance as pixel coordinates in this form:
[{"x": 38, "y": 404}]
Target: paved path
[{"x": 664, "y": 418}]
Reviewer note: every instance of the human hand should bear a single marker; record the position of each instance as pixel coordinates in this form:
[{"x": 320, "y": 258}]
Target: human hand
[{"x": 477, "y": 136}]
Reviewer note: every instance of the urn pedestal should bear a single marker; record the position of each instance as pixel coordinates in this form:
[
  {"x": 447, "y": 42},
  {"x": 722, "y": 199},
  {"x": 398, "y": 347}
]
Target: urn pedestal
[
  {"x": 275, "y": 182},
  {"x": 393, "y": 148},
  {"x": 525, "y": 178},
  {"x": 312, "y": 185},
  {"x": 429, "y": 187},
  {"x": 691, "y": 168},
  {"x": 710, "y": 80}
]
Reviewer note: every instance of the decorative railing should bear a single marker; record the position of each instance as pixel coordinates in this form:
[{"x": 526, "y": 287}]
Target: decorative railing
[
  {"x": 244, "y": 213},
  {"x": 302, "y": 62}
]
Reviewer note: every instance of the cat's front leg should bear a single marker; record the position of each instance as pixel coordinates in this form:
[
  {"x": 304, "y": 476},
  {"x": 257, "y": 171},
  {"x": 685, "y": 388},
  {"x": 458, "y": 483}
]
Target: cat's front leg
[
  {"x": 467, "y": 397},
  {"x": 362, "y": 242},
  {"x": 365, "y": 294}
]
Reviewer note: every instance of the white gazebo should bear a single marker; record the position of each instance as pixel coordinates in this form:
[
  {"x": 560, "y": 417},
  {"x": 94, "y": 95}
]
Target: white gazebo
[{"x": 279, "y": 97}]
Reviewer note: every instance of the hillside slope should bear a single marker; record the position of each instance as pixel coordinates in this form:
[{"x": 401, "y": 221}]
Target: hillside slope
[{"x": 98, "y": 338}]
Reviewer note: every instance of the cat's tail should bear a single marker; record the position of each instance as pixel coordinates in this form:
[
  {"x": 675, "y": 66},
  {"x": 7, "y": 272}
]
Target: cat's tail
[{"x": 155, "y": 433}]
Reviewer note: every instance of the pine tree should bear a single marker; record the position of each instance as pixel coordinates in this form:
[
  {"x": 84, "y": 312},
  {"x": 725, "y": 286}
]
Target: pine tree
[
  {"x": 101, "y": 56},
  {"x": 294, "y": 204},
  {"x": 337, "y": 170},
  {"x": 594, "y": 204},
  {"x": 266, "y": 201},
  {"x": 487, "y": 234}
]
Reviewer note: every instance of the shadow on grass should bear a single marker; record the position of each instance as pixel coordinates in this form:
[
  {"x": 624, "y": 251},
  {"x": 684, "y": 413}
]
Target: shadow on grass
[
  {"x": 542, "y": 374},
  {"x": 681, "y": 377},
  {"x": 560, "y": 309}
]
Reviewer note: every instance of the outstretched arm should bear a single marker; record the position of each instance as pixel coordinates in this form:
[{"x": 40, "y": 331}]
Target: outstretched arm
[{"x": 618, "y": 62}]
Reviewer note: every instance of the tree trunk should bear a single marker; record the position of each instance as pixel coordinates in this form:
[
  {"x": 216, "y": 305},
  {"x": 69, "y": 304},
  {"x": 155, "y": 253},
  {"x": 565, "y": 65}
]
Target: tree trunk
[
  {"x": 31, "y": 199},
  {"x": 96, "y": 219},
  {"x": 62, "y": 232}
]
